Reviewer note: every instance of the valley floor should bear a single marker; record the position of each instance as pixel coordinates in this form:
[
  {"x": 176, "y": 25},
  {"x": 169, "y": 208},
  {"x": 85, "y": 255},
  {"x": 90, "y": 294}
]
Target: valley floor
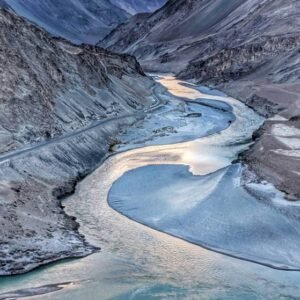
[{"x": 166, "y": 187}]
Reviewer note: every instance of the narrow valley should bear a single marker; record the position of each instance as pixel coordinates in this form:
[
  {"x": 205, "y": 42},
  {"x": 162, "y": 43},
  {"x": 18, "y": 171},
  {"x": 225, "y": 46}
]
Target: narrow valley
[{"x": 149, "y": 150}]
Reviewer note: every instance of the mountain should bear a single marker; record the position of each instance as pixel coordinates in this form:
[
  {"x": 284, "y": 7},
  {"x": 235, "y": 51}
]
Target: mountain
[
  {"x": 80, "y": 21},
  {"x": 139, "y": 6},
  {"x": 184, "y": 31},
  {"x": 247, "y": 48},
  {"x": 61, "y": 107}
]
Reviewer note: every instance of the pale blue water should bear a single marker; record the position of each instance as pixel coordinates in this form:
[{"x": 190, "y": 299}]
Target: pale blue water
[{"x": 137, "y": 262}]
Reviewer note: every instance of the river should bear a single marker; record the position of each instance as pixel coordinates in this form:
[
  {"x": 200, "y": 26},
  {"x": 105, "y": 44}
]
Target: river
[{"x": 179, "y": 183}]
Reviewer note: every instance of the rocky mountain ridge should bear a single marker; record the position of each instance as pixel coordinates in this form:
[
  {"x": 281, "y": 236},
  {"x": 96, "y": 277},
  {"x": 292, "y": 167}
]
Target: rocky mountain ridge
[
  {"x": 79, "y": 21},
  {"x": 179, "y": 32},
  {"x": 134, "y": 7},
  {"x": 61, "y": 107},
  {"x": 66, "y": 85}
]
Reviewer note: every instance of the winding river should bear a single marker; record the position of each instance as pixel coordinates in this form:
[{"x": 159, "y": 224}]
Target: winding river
[{"x": 160, "y": 205}]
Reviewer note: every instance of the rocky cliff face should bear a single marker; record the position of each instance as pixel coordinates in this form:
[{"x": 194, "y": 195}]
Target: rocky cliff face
[
  {"x": 50, "y": 87},
  {"x": 80, "y": 21},
  {"x": 248, "y": 48},
  {"x": 61, "y": 106},
  {"x": 139, "y": 6}
]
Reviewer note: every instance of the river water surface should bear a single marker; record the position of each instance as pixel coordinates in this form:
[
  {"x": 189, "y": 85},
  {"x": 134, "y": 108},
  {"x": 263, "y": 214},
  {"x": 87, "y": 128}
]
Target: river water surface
[{"x": 189, "y": 190}]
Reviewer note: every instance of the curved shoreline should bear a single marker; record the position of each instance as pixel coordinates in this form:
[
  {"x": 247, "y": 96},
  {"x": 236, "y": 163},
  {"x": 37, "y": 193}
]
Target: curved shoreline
[
  {"x": 137, "y": 255},
  {"x": 210, "y": 248},
  {"x": 256, "y": 260},
  {"x": 121, "y": 197}
]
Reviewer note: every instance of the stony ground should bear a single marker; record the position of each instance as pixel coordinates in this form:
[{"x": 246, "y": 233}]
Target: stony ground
[{"x": 61, "y": 107}]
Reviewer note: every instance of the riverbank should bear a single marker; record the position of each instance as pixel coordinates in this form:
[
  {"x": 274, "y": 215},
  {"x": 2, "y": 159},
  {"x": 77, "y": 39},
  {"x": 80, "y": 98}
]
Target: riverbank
[
  {"x": 274, "y": 157},
  {"x": 35, "y": 229},
  {"x": 185, "y": 200}
]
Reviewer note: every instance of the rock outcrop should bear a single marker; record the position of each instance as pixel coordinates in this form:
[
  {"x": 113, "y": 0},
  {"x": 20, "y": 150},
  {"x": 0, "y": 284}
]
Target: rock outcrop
[{"x": 61, "y": 107}]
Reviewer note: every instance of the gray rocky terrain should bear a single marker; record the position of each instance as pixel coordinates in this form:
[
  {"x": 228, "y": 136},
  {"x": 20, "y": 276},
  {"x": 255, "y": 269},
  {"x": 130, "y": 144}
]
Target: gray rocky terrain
[
  {"x": 61, "y": 107},
  {"x": 81, "y": 21},
  {"x": 247, "y": 48}
]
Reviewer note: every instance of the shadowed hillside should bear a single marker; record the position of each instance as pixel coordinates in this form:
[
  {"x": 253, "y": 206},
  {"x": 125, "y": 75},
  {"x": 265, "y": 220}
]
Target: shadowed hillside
[{"x": 80, "y": 21}]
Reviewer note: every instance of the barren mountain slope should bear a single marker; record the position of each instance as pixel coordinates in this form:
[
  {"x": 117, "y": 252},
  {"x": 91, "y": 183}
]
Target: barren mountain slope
[
  {"x": 80, "y": 21},
  {"x": 50, "y": 87},
  {"x": 248, "y": 48},
  {"x": 183, "y": 31},
  {"x": 61, "y": 107},
  {"x": 138, "y": 6}
]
